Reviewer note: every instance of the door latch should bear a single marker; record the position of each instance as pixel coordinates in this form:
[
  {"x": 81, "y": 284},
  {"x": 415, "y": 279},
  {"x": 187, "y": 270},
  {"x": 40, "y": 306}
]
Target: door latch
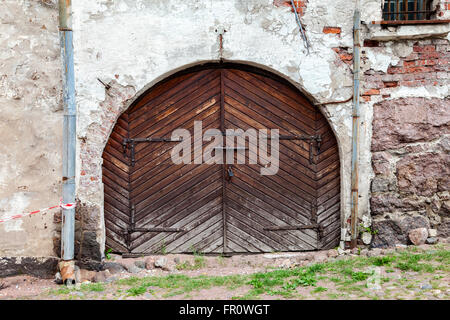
[{"x": 230, "y": 173}]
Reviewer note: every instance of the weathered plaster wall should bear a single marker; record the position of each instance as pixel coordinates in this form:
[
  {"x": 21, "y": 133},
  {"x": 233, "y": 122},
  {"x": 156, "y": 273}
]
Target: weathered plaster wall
[{"x": 30, "y": 124}]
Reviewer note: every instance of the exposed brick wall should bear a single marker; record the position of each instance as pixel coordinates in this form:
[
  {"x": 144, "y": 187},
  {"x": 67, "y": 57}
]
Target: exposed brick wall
[
  {"x": 301, "y": 5},
  {"x": 428, "y": 64},
  {"x": 344, "y": 56},
  {"x": 332, "y": 30}
]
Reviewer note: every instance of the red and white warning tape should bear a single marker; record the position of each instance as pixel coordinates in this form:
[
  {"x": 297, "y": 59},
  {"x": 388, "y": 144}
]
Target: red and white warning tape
[{"x": 21, "y": 215}]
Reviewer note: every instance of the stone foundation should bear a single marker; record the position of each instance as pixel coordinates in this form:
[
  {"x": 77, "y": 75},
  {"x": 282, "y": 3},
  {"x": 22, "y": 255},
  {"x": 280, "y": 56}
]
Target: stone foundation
[
  {"x": 41, "y": 267},
  {"x": 411, "y": 162}
]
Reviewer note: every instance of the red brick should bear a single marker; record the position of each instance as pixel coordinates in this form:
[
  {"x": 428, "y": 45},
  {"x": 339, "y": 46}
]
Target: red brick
[
  {"x": 390, "y": 84},
  {"x": 393, "y": 70},
  {"x": 371, "y": 92},
  {"x": 300, "y": 6},
  {"x": 278, "y": 3},
  {"x": 334, "y": 30},
  {"x": 417, "y": 69},
  {"x": 287, "y": 3},
  {"x": 409, "y": 63},
  {"x": 430, "y": 55},
  {"x": 346, "y": 56},
  {"x": 429, "y": 62}
]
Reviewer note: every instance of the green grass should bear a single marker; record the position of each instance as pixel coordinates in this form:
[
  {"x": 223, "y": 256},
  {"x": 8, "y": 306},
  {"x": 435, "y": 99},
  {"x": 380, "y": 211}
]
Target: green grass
[
  {"x": 382, "y": 261},
  {"x": 91, "y": 287},
  {"x": 182, "y": 282},
  {"x": 136, "y": 291},
  {"x": 319, "y": 289},
  {"x": 349, "y": 275},
  {"x": 94, "y": 287},
  {"x": 199, "y": 263}
]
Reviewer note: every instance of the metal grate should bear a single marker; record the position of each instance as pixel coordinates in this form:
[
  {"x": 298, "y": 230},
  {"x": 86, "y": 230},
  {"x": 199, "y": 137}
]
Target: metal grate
[{"x": 396, "y": 10}]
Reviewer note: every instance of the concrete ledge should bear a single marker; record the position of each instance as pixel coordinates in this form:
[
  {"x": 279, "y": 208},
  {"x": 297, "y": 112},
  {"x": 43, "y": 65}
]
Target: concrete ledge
[
  {"x": 405, "y": 32},
  {"x": 41, "y": 267}
]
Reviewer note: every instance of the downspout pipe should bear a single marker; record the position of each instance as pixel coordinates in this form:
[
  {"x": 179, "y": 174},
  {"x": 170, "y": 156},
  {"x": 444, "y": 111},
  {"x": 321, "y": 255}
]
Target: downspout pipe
[
  {"x": 69, "y": 142},
  {"x": 355, "y": 126}
]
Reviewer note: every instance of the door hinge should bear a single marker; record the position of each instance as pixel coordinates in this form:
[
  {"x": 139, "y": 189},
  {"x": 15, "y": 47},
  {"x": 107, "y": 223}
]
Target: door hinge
[
  {"x": 132, "y": 228},
  {"x": 130, "y": 143},
  {"x": 317, "y": 138}
]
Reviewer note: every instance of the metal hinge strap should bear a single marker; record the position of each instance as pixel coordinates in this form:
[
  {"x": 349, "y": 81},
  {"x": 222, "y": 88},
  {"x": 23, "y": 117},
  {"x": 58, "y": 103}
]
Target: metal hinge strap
[
  {"x": 132, "y": 228},
  {"x": 306, "y": 226},
  {"x": 311, "y": 139},
  {"x": 131, "y": 144}
]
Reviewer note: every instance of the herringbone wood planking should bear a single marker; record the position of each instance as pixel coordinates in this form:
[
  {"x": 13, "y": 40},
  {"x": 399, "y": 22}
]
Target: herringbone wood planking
[{"x": 221, "y": 215}]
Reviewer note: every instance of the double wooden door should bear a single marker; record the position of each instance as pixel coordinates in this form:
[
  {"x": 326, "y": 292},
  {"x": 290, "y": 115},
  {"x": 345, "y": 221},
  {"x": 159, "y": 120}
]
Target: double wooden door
[{"x": 153, "y": 205}]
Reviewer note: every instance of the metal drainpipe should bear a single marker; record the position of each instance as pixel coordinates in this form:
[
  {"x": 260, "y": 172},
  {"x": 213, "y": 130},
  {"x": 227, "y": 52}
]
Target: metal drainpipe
[
  {"x": 355, "y": 128},
  {"x": 69, "y": 143}
]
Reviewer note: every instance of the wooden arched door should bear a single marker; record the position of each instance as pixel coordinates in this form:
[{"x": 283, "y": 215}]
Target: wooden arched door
[{"x": 154, "y": 205}]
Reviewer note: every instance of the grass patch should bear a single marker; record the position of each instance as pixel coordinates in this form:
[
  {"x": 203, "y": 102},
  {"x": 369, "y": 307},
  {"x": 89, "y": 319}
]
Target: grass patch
[
  {"x": 181, "y": 283},
  {"x": 360, "y": 276},
  {"x": 382, "y": 261},
  {"x": 199, "y": 263},
  {"x": 319, "y": 289},
  {"x": 137, "y": 291},
  {"x": 60, "y": 291},
  {"x": 348, "y": 274},
  {"x": 94, "y": 287}
]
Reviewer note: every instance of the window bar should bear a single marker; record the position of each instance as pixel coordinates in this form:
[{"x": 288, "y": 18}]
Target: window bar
[
  {"x": 389, "y": 10},
  {"x": 404, "y": 10},
  {"x": 405, "y": 4},
  {"x": 415, "y": 9},
  {"x": 386, "y": 12}
]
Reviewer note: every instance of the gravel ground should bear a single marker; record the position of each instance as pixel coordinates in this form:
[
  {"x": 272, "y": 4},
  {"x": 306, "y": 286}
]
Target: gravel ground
[{"x": 406, "y": 273}]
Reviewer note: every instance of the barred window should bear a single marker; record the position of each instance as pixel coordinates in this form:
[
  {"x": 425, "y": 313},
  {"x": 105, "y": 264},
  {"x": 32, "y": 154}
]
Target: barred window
[{"x": 395, "y": 10}]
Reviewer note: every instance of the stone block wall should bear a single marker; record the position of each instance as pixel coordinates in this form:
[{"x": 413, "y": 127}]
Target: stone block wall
[{"x": 410, "y": 137}]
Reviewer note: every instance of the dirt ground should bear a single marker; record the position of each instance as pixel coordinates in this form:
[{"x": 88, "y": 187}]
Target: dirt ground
[{"x": 405, "y": 273}]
